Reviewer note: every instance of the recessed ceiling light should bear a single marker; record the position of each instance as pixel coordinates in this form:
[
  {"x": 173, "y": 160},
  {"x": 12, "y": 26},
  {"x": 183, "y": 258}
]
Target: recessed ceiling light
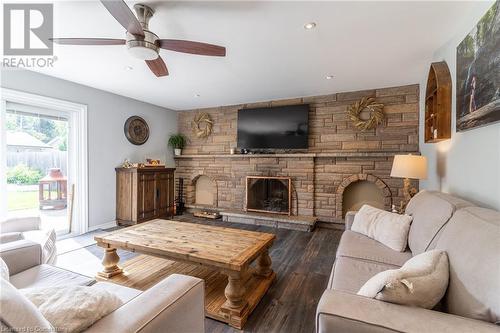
[
  {"x": 310, "y": 25},
  {"x": 129, "y": 68},
  {"x": 329, "y": 77}
]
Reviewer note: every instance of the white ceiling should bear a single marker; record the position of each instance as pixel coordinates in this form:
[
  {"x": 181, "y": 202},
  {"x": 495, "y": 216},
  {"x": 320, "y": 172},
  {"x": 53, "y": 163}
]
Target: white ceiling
[{"x": 269, "y": 53}]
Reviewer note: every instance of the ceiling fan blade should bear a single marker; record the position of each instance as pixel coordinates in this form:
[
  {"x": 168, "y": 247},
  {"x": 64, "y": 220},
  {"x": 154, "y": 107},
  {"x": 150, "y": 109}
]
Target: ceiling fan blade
[
  {"x": 122, "y": 13},
  {"x": 157, "y": 66},
  {"x": 187, "y": 46},
  {"x": 88, "y": 41}
]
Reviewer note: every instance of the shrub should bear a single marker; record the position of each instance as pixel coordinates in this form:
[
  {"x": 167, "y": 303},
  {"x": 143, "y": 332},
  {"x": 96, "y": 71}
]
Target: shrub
[{"x": 23, "y": 175}]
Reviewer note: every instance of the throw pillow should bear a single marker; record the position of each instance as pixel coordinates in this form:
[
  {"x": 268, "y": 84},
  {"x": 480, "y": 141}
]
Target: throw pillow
[
  {"x": 388, "y": 228},
  {"x": 4, "y": 270},
  {"x": 18, "y": 313},
  {"x": 422, "y": 281},
  {"x": 73, "y": 308}
]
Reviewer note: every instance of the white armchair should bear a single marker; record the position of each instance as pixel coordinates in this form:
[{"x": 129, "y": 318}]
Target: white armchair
[{"x": 29, "y": 228}]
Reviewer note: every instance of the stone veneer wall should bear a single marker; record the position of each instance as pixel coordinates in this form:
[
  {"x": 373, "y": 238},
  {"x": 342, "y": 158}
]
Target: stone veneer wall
[{"x": 338, "y": 153}]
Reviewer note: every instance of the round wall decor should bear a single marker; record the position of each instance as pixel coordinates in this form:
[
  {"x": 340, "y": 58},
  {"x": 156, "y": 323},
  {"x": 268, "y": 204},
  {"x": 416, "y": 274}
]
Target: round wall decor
[
  {"x": 136, "y": 130},
  {"x": 376, "y": 113},
  {"x": 202, "y": 125}
]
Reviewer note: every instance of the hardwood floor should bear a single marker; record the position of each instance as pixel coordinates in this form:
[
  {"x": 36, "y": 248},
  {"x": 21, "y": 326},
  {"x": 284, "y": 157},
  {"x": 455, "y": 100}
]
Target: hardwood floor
[{"x": 302, "y": 261}]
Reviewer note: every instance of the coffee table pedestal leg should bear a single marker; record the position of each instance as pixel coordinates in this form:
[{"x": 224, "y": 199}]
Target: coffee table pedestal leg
[
  {"x": 264, "y": 265},
  {"x": 234, "y": 309},
  {"x": 234, "y": 292},
  {"x": 110, "y": 261}
]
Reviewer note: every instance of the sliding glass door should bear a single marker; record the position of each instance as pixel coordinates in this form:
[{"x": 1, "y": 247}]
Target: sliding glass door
[
  {"x": 38, "y": 181},
  {"x": 43, "y": 161}
]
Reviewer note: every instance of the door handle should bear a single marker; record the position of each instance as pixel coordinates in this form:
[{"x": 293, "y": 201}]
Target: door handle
[{"x": 157, "y": 193}]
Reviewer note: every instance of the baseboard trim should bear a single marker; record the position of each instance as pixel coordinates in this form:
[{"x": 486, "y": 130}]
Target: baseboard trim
[{"x": 106, "y": 225}]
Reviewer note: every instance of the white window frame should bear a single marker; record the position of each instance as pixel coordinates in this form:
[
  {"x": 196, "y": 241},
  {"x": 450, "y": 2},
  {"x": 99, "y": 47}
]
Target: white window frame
[{"x": 77, "y": 152}]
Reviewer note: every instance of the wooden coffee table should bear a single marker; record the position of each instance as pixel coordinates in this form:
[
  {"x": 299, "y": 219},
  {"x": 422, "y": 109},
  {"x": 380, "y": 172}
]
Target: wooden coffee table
[{"x": 234, "y": 263}]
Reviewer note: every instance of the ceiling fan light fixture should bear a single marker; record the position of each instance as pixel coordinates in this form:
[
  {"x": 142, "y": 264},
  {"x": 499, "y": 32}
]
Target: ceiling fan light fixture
[
  {"x": 141, "y": 42},
  {"x": 143, "y": 53},
  {"x": 310, "y": 25}
]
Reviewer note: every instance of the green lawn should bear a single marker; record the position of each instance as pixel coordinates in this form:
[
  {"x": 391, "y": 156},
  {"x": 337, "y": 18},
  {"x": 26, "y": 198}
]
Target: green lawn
[{"x": 22, "y": 200}]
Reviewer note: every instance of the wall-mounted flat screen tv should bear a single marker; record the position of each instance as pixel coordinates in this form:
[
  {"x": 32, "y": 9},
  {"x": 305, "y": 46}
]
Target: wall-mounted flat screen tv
[{"x": 282, "y": 127}]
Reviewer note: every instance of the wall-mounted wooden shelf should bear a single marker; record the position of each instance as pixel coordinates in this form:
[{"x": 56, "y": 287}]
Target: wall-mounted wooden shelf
[{"x": 437, "y": 123}]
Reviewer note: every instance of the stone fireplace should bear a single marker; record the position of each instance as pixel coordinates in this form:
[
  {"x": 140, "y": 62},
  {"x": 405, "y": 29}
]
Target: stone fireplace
[
  {"x": 342, "y": 168},
  {"x": 269, "y": 194}
]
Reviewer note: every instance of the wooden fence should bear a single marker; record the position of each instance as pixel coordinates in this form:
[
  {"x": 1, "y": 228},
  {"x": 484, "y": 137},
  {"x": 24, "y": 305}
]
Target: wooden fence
[{"x": 42, "y": 160}]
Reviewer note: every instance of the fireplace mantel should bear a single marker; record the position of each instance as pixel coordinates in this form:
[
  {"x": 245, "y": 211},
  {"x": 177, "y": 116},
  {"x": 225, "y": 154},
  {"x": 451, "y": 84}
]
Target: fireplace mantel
[{"x": 302, "y": 155}]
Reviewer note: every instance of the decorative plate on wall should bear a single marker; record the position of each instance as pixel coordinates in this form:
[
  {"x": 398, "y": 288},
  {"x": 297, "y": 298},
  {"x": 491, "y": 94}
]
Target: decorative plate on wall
[{"x": 136, "y": 130}]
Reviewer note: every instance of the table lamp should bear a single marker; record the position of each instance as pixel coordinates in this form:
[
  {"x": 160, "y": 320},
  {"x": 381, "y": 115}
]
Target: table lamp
[{"x": 409, "y": 167}]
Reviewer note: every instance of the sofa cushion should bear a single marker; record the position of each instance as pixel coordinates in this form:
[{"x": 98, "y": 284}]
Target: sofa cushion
[
  {"x": 355, "y": 245},
  {"x": 10, "y": 237},
  {"x": 421, "y": 282},
  {"x": 389, "y": 228},
  {"x": 20, "y": 224},
  {"x": 18, "y": 313},
  {"x": 343, "y": 312},
  {"x": 125, "y": 294},
  {"x": 471, "y": 240},
  {"x": 21, "y": 255},
  {"x": 48, "y": 276},
  {"x": 430, "y": 211},
  {"x": 350, "y": 274}
]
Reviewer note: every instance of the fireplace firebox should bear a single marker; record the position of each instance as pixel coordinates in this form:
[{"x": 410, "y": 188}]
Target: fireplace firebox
[{"x": 269, "y": 194}]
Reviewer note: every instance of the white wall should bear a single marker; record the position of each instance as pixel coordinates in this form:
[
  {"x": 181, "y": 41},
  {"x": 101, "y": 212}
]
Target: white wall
[
  {"x": 468, "y": 165},
  {"x": 107, "y": 145}
]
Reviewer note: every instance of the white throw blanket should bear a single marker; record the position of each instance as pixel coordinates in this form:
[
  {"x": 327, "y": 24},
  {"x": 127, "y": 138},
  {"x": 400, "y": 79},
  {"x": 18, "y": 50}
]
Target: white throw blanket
[{"x": 72, "y": 309}]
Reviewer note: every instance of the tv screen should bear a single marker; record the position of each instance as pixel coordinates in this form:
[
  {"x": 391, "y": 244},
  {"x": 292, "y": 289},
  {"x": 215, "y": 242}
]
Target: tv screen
[{"x": 283, "y": 127}]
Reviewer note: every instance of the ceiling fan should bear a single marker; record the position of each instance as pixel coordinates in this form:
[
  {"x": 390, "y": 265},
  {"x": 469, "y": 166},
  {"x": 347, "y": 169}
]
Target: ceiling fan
[{"x": 141, "y": 42}]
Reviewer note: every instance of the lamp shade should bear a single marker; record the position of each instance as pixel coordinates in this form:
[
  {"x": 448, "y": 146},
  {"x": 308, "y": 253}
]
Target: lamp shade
[{"x": 409, "y": 166}]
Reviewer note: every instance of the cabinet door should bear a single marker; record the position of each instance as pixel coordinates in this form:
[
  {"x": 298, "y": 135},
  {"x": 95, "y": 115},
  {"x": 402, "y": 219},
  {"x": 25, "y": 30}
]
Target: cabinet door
[
  {"x": 125, "y": 196},
  {"x": 164, "y": 193},
  {"x": 146, "y": 196}
]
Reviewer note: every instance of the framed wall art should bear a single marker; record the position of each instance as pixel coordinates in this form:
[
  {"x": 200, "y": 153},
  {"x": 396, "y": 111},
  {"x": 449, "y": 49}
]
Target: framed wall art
[{"x": 478, "y": 73}]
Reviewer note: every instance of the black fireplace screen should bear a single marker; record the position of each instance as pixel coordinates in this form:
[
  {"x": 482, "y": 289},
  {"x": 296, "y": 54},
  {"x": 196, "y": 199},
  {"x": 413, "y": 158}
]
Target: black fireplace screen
[{"x": 269, "y": 194}]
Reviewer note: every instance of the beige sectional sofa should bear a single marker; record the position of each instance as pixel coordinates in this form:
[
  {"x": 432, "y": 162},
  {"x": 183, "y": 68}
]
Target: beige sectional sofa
[
  {"x": 176, "y": 304},
  {"x": 471, "y": 237}
]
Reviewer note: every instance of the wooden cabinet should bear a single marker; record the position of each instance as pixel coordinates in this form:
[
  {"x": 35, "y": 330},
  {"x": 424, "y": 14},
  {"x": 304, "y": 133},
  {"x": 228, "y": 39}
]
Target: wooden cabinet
[{"x": 144, "y": 194}]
